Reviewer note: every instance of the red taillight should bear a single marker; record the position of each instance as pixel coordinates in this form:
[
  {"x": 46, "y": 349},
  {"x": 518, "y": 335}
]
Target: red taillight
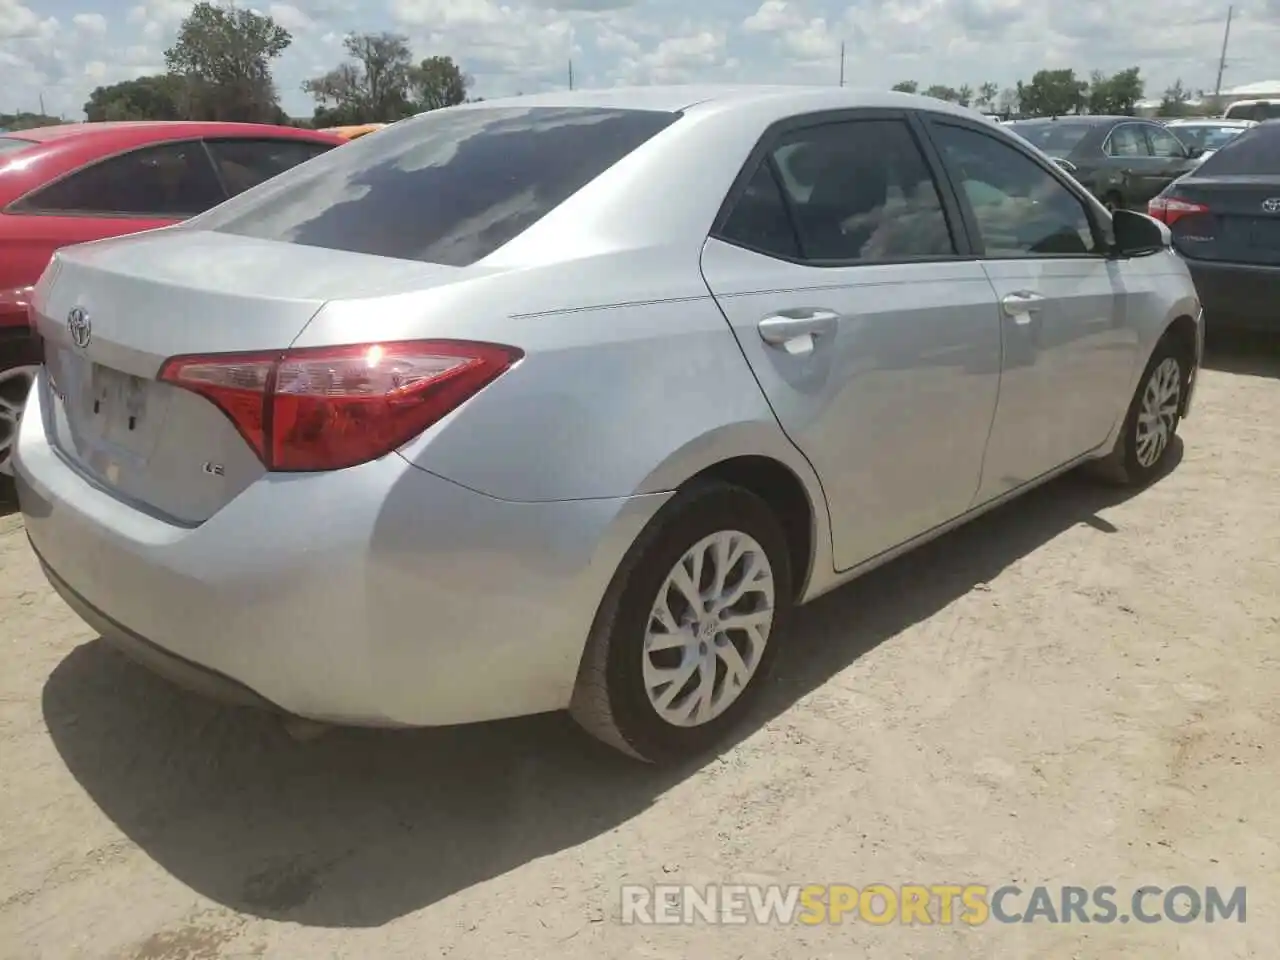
[
  {"x": 325, "y": 408},
  {"x": 1170, "y": 210}
]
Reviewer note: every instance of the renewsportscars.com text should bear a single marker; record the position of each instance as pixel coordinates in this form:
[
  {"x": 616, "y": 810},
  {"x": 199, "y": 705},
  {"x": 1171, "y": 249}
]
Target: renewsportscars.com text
[{"x": 967, "y": 904}]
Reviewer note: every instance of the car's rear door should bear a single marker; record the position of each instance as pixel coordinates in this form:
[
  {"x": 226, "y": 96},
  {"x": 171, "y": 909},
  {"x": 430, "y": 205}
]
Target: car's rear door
[
  {"x": 844, "y": 272},
  {"x": 245, "y": 162},
  {"x": 1069, "y": 352},
  {"x": 141, "y": 189},
  {"x": 1170, "y": 153}
]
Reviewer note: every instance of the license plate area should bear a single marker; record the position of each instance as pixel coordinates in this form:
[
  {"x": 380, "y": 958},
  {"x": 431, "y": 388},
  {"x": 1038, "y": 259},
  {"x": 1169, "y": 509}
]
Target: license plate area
[
  {"x": 106, "y": 409},
  {"x": 1265, "y": 234}
]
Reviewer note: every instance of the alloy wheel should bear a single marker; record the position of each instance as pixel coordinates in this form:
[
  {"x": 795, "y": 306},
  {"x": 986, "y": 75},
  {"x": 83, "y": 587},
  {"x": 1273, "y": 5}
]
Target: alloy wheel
[
  {"x": 1158, "y": 413},
  {"x": 15, "y": 384},
  {"x": 708, "y": 628}
]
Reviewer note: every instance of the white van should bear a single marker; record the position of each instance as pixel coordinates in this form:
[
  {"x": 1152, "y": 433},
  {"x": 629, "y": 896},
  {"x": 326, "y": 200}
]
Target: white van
[{"x": 1252, "y": 110}]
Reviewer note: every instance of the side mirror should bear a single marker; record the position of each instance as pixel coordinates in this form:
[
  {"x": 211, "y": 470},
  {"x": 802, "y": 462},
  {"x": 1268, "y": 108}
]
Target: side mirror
[
  {"x": 1195, "y": 153},
  {"x": 1137, "y": 235}
]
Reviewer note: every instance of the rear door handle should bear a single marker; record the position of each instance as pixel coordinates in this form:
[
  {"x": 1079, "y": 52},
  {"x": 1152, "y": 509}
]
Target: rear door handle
[
  {"x": 1021, "y": 305},
  {"x": 796, "y": 330}
]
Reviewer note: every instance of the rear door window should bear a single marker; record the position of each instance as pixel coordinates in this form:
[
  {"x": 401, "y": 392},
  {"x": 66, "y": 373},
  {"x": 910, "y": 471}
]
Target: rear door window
[
  {"x": 171, "y": 180},
  {"x": 447, "y": 187},
  {"x": 246, "y": 163},
  {"x": 1254, "y": 152},
  {"x": 857, "y": 191}
]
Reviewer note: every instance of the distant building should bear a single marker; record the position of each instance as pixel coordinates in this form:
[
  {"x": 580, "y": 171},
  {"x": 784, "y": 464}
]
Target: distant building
[{"x": 1263, "y": 90}]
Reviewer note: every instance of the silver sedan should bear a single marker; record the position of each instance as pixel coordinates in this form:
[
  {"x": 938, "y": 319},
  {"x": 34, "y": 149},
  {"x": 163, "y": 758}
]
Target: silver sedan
[{"x": 565, "y": 401}]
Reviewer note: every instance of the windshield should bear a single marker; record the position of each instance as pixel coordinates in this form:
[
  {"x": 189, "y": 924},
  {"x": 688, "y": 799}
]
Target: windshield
[
  {"x": 1253, "y": 110},
  {"x": 1254, "y": 152},
  {"x": 12, "y": 144},
  {"x": 446, "y": 187},
  {"x": 1056, "y": 138},
  {"x": 1206, "y": 136}
]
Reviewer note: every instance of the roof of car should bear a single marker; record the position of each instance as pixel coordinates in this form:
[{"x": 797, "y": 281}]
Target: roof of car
[
  {"x": 142, "y": 130},
  {"x": 1077, "y": 118},
  {"x": 683, "y": 97}
]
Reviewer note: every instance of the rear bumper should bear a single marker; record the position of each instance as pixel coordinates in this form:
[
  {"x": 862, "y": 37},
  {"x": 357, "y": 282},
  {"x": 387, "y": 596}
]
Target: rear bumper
[
  {"x": 1238, "y": 296},
  {"x": 381, "y": 595}
]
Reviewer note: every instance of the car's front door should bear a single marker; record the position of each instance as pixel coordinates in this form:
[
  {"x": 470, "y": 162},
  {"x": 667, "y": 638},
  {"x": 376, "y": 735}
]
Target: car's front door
[
  {"x": 844, "y": 272},
  {"x": 1171, "y": 156},
  {"x": 1068, "y": 350},
  {"x": 1130, "y": 153}
]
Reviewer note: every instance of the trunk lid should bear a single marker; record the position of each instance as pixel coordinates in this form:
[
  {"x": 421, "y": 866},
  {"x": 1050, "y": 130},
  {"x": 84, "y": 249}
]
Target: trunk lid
[
  {"x": 110, "y": 314},
  {"x": 1239, "y": 226}
]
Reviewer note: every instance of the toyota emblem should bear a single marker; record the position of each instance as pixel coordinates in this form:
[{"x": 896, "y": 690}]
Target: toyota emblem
[
  {"x": 80, "y": 328},
  {"x": 1271, "y": 205}
]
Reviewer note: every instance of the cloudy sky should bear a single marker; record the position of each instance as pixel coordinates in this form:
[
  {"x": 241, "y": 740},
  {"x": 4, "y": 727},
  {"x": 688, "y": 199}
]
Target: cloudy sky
[{"x": 62, "y": 49}]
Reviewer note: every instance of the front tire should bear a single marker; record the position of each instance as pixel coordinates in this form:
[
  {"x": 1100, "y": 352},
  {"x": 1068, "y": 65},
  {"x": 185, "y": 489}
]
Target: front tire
[
  {"x": 689, "y": 627},
  {"x": 1152, "y": 420}
]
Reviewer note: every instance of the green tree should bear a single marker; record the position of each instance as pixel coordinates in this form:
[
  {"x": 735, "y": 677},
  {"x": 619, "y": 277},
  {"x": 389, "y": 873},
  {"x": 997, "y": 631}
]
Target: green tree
[
  {"x": 223, "y": 56},
  {"x": 964, "y": 96},
  {"x": 907, "y": 86},
  {"x": 941, "y": 92},
  {"x": 145, "y": 98},
  {"x": 25, "y": 120},
  {"x": 987, "y": 94},
  {"x": 374, "y": 87},
  {"x": 1118, "y": 94},
  {"x": 1174, "y": 102},
  {"x": 438, "y": 82},
  {"x": 1052, "y": 93}
]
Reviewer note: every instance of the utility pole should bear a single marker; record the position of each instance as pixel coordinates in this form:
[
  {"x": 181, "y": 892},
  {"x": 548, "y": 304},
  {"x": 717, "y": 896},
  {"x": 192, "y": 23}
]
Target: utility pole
[
  {"x": 842, "y": 63},
  {"x": 42, "y": 113},
  {"x": 570, "y": 74},
  {"x": 1222, "y": 60}
]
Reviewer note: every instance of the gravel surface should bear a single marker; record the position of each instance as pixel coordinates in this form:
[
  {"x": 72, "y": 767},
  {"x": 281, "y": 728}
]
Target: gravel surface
[{"x": 1081, "y": 688}]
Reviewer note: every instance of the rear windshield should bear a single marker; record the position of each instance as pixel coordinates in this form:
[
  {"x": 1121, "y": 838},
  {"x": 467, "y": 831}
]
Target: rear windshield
[
  {"x": 1258, "y": 110},
  {"x": 1056, "y": 138},
  {"x": 1256, "y": 151},
  {"x": 10, "y": 144},
  {"x": 1204, "y": 135},
  {"x": 446, "y": 187}
]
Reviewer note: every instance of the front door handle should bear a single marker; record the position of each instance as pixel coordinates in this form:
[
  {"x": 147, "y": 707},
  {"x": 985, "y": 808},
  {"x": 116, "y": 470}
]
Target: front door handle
[
  {"x": 796, "y": 330},
  {"x": 1021, "y": 305}
]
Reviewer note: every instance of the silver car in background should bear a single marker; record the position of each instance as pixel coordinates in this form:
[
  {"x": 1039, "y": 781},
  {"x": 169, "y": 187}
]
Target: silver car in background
[{"x": 565, "y": 401}]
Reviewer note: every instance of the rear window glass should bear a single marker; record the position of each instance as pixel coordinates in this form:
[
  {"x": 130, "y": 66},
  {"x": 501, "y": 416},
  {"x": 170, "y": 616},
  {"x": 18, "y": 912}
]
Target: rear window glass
[
  {"x": 1055, "y": 137},
  {"x": 10, "y": 144},
  {"x": 1256, "y": 110},
  {"x": 1206, "y": 136},
  {"x": 1256, "y": 151},
  {"x": 447, "y": 187}
]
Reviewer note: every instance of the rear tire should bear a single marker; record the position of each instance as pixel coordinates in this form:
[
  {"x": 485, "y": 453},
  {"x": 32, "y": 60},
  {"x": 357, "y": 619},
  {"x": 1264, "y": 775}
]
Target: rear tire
[
  {"x": 1152, "y": 420},
  {"x": 726, "y": 540}
]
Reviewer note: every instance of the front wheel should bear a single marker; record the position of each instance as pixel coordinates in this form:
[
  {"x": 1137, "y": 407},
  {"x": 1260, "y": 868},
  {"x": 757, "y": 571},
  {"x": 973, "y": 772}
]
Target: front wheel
[
  {"x": 689, "y": 626},
  {"x": 1152, "y": 420}
]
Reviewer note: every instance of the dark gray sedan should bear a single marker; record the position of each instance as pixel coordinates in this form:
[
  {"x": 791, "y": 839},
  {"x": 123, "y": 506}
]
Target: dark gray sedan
[{"x": 1124, "y": 161}]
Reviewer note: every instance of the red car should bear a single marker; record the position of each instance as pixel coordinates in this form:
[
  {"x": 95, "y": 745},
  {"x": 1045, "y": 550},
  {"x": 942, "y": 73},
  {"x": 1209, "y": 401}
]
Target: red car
[{"x": 87, "y": 181}]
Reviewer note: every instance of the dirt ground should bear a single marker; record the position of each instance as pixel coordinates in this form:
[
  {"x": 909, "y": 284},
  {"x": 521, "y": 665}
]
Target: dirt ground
[{"x": 1081, "y": 688}]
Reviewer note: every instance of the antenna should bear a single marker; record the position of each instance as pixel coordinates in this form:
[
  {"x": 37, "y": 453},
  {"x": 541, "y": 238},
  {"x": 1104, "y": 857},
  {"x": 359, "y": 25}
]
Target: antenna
[
  {"x": 842, "y": 63},
  {"x": 1222, "y": 60}
]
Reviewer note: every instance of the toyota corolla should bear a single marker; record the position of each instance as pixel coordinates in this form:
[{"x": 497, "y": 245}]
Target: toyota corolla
[{"x": 565, "y": 401}]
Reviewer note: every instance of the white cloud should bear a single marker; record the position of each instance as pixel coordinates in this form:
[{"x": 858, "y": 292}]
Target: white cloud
[
  {"x": 511, "y": 46},
  {"x": 94, "y": 23}
]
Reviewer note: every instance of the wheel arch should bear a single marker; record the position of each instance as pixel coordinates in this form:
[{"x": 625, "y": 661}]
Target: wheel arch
[{"x": 760, "y": 458}]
